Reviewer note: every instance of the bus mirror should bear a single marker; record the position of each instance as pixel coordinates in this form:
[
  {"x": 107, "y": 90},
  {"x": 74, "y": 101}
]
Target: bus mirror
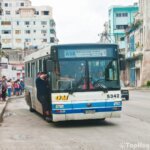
[
  {"x": 122, "y": 65},
  {"x": 122, "y": 62},
  {"x": 50, "y": 65}
]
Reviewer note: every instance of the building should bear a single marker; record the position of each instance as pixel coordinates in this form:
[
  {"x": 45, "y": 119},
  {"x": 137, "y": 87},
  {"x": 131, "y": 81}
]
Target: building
[
  {"x": 120, "y": 17},
  {"x": 24, "y": 29},
  {"x": 24, "y": 26},
  {"x": 138, "y": 51}
]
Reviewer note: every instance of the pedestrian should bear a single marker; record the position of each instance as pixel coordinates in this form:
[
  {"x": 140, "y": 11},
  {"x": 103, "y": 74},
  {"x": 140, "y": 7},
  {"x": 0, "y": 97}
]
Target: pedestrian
[
  {"x": 9, "y": 88},
  {"x": 21, "y": 86},
  {"x": 16, "y": 88},
  {"x": 4, "y": 88},
  {"x": 43, "y": 92}
]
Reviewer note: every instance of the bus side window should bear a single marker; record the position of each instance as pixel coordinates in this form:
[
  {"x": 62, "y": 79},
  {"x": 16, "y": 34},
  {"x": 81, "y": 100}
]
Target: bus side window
[
  {"x": 40, "y": 65},
  {"x": 28, "y": 70}
]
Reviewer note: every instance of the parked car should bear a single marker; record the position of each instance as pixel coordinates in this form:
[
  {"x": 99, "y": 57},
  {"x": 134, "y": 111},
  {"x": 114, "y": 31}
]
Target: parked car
[{"x": 124, "y": 91}]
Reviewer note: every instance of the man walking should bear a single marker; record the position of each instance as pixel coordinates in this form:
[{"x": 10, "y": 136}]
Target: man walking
[{"x": 43, "y": 92}]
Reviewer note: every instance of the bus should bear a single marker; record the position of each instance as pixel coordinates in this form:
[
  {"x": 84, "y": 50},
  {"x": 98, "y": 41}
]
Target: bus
[{"x": 84, "y": 80}]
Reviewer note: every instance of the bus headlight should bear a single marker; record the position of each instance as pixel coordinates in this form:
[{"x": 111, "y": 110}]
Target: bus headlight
[
  {"x": 59, "y": 106},
  {"x": 117, "y": 103}
]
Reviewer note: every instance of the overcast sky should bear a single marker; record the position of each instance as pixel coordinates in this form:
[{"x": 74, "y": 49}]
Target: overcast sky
[{"x": 80, "y": 21}]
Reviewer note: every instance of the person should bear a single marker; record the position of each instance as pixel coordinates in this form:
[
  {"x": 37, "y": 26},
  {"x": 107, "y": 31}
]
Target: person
[
  {"x": 16, "y": 88},
  {"x": 21, "y": 86},
  {"x": 9, "y": 88},
  {"x": 4, "y": 88},
  {"x": 43, "y": 92}
]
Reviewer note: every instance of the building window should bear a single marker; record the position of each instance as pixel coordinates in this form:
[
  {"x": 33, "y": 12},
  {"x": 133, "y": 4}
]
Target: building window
[
  {"x": 52, "y": 40},
  {"x": 118, "y": 14},
  {"x": 43, "y": 31},
  {"x": 21, "y": 4},
  {"x": 34, "y": 22},
  {"x": 10, "y": 4},
  {"x": 27, "y": 31},
  {"x": 6, "y": 31},
  {"x": 17, "y": 31},
  {"x": 5, "y": 23},
  {"x": 17, "y": 12},
  {"x": 52, "y": 23},
  {"x": 37, "y": 13},
  {"x": 27, "y": 40},
  {"x": 17, "y": 23},
  {"x": 6, "y": 41},
  {"x": 44, "y": 23},
  {"x": 45, "y": 13},
  {"x": 121, "y": 14},
  {"x": 6, "y": 4},
  {"x": 18, "y": 40},
  {"x": 52, "y": 31},
  {"x": 44, "y": 40},
  {"x": 34, "y": 31},
  {"x": 120, "y": 27},
  {"x": 27, "y": 23},
  {"x": 124, "y": 14},
  {"x": 7, "y": 12}
]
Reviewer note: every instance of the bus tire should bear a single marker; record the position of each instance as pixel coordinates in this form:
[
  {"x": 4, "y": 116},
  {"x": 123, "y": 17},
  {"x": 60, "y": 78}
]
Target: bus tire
[{"x": 31, "y": 109}]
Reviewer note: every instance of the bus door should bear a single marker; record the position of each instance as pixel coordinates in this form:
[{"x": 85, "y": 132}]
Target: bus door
[{"x": 33, "y": 73}]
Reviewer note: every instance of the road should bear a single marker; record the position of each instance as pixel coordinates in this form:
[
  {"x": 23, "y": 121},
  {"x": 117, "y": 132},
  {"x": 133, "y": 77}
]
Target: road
[{"x": 23, "y": 130}]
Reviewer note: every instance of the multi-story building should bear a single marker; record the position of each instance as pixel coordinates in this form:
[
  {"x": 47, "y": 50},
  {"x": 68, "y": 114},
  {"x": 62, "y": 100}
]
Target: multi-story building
[
  {"x": 120, "y": 17},
  {"x": 22, "y": 25},
  {"x": 24, "y": 29},
  {"x": 138, "y": 51}
]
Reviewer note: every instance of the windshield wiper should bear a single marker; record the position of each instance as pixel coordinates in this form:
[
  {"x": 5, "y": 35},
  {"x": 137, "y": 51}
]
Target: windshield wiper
[
  {"x": 73, "y": 89},
  {"x": 99, "y": 85}
]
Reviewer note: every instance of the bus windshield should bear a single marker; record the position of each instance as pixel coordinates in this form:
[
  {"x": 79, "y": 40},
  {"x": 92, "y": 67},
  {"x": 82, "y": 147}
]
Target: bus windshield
[{"x": 85, "y": 75}]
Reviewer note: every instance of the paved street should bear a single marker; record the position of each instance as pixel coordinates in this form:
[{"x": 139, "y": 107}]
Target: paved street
[{"x": 22, "y": 130}]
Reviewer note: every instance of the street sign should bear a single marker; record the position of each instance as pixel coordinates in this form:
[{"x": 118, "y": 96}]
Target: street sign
[{"x": 3, "y": 65}]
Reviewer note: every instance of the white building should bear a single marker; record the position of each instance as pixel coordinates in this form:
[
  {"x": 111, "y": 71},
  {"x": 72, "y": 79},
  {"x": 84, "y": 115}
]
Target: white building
[
  {"x": 24, "y": 29},
  {"x": 24, "y": 26}
]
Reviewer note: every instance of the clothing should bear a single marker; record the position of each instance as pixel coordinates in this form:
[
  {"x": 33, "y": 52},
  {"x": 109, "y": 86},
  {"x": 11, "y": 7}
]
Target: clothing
[
  {"x": 9, "y": 88},
  {"x": 43, "y": 92},
  {"x": 42, "y": 87},
  {"x": 4, "y": 89}
]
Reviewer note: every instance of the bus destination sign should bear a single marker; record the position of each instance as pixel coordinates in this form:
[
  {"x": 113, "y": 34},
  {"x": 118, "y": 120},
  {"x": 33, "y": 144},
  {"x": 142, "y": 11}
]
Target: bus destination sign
[{"x": 85, "y": 53}]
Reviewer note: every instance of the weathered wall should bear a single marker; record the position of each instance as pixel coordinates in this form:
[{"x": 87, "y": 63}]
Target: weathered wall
[{"x": 146, "y": 45}]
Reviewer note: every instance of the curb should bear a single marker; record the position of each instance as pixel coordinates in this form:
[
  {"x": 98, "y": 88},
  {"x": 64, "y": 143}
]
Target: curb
[{"x": 3, "y": 111}]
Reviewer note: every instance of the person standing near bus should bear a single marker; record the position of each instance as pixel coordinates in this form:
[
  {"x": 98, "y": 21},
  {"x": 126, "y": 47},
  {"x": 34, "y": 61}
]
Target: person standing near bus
[
  {"x": 9, "y": 88},
  {"x": 4, "y": 88},
  {"x": 43, "y": 92}
]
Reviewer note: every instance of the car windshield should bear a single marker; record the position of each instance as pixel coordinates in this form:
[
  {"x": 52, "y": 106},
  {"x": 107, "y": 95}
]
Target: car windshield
[{"x": 82, "y": 75}]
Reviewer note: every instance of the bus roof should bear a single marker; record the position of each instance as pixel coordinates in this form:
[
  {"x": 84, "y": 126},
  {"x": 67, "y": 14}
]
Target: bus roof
[
  {"x": 40, "y": 53},
  {"x": 84, "y": 45}
]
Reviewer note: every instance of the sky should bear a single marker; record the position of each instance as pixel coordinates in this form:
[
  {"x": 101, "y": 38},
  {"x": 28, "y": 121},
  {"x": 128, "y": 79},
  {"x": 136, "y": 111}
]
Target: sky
[{"x": 80, "y": 21}]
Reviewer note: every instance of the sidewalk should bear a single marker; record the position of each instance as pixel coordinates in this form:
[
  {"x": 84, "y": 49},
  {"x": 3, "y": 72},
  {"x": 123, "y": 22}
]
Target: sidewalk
[
  {"x": 2, "y": 109},
  {"x": 3, "y": 105}
]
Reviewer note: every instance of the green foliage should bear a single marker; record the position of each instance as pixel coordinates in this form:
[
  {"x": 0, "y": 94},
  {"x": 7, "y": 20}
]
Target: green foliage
[{"x": 148, "y": 83}]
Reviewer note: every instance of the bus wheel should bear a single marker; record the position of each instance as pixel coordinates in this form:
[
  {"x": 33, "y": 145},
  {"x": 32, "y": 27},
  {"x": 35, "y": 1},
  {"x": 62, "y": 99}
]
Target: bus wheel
[{"x": 31, "y": 109}]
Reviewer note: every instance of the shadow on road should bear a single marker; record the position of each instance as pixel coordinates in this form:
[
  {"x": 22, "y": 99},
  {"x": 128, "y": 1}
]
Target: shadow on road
[{"x": 83, "y": 123}]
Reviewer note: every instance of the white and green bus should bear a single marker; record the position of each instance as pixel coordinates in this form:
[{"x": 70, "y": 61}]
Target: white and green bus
[{"x": 84, "y": 81}]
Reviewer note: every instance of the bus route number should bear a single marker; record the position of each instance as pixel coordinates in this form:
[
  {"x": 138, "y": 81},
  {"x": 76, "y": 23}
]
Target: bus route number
[{"x": 63, "y": 98}]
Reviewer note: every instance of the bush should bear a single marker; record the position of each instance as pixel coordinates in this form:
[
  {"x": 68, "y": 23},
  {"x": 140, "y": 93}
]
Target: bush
[{"x": 148, "y": 83}]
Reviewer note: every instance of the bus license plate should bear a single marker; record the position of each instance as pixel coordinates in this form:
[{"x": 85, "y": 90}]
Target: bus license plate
[{"x": 90, "y": 111}]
